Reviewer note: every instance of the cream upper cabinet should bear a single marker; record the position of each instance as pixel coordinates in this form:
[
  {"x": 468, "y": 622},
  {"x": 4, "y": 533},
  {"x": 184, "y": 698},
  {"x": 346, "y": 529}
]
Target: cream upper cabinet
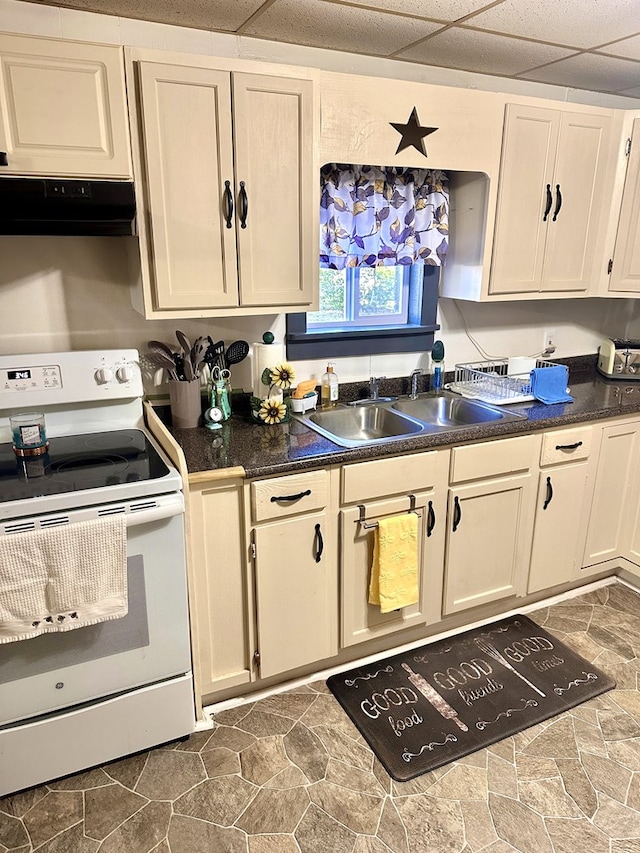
[
  {"x": 625, "y": 271},
  {"x": 554, "y": 164},
  {"x": 489, "y": 523},
  {"x": 229, "y": 185},
  {"x": 63, "y": 109}
]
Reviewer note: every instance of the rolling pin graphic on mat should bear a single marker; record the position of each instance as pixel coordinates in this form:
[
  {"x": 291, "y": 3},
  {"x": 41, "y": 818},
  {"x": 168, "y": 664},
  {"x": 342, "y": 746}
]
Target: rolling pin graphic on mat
[{"x": 443, "y": 708}]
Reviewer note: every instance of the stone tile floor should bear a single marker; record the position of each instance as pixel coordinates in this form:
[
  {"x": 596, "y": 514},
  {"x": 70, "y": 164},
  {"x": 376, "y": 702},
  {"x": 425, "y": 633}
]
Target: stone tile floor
[{"x": 291, "y": 774}]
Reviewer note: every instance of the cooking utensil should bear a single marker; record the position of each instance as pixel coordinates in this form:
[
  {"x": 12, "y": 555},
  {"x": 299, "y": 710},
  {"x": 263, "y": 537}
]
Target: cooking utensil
[
  {"x": 197, "y": 353},
  {"x": 161, "y": 360},
  {"x": 184, "y": 342},
  {"x": 160, "y": 348},
  {"x": 491, "y": 650},
  {"x": 236, "y": 352}
]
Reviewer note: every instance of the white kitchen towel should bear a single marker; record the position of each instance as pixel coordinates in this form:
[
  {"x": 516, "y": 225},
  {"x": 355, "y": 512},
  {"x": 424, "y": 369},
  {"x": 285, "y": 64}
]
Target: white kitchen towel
[{"x": 62, "y": 578}]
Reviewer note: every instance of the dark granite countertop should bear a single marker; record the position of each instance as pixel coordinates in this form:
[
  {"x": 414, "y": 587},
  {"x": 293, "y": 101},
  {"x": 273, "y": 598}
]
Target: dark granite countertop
[{"x": 267, "y": 450}]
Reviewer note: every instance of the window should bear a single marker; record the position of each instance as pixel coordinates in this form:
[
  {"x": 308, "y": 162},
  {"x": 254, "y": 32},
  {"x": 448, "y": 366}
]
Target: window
[{"x": 383, "y": 237}]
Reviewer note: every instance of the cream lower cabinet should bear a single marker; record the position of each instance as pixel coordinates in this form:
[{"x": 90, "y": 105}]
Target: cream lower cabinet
[
  {"x": 378, "y": 489},
  {"x": 63, "y": 109},
  {"x": 563, "y": 498},
  {"x": 489, "y": 522},
  {"x": 295, "y": 572},
  {"x": 612, "y": 511},
  {"x": 227, "y": 178},
  {"x": 553, "y": 166},
  {"x": 219, "y": 596}
]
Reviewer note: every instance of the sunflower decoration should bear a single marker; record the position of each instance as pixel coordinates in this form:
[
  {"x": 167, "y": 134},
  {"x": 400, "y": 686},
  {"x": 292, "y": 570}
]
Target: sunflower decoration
[
  {"x": 272, "y": 411},
  {"x": 282, "y": 375}
]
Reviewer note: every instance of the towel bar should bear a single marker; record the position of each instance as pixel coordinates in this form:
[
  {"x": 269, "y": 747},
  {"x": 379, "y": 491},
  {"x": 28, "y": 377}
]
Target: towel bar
[{"x": 369, "y": 525}]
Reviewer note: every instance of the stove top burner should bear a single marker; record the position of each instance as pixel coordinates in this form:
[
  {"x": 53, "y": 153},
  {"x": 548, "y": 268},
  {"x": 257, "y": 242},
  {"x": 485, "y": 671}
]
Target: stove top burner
[{"x": 78, "y": 462}]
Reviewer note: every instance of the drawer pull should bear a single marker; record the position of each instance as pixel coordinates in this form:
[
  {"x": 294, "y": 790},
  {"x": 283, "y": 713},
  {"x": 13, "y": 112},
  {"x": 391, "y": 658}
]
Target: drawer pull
[
  {"x": 4, "y": 161},
  {"x": 275, "y": 498},
  {"x": 457, "y": 513},
  {"x": 549, "y": 497},
  {"x": 431, "y": 519},
  {"x": 319, "y": 543},
  {"x": 244, "y": 205},
  {"x": 573, "y": 446},
  {"x": 558, "y": 203}
]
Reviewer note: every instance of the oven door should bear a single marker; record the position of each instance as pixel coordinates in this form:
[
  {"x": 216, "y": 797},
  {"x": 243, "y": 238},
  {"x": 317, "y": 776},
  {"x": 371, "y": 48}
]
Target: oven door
[{"x": 150, "y": 644}]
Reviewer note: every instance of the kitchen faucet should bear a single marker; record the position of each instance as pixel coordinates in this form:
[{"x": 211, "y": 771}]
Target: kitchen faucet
[
  {"x": 374, "y": 393},
  {"x": 413, "y": 380}
]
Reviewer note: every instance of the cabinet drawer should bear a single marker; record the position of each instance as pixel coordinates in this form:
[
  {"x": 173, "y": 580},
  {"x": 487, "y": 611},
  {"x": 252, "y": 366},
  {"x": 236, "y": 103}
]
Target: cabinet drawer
[
  {"x": 566, "y": 445},
  {"x": 493, "y": 458},
  {"x": 393, "y": 476},
  {"x": 282, "y": 496}
]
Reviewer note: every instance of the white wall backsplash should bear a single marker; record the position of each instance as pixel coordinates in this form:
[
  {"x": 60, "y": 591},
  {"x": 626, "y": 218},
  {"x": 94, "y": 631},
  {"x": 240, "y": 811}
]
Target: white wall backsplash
[{"x": 74, "y": 293}]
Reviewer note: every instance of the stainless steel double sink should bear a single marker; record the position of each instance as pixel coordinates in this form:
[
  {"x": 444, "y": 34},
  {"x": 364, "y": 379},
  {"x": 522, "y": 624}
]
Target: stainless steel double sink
[{"x": 375, "y": 422}]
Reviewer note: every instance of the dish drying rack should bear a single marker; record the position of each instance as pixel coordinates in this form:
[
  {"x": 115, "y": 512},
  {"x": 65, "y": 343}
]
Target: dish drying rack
[{"x": 498, "y": 381}]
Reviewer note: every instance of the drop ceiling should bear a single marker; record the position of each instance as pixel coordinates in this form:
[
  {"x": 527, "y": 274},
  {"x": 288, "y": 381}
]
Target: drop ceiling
[{"x": 581, "y": 44}]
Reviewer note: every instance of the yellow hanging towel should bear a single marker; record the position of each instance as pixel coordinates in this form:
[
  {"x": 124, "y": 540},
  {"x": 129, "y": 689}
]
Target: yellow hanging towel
[{"x": 394, "y": 573}]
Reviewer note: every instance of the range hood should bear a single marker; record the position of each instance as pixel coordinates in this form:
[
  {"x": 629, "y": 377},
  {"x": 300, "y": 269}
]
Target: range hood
[{"x": 61, "y": 207}]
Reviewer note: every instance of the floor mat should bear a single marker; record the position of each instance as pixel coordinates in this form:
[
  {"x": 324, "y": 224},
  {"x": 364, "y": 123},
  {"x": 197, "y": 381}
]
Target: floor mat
[{"x": 427, "y": 707}]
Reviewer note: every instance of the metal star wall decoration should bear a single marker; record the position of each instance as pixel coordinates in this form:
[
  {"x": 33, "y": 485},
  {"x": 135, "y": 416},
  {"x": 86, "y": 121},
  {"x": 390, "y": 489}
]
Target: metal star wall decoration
[{"x": 412, "y": 134}]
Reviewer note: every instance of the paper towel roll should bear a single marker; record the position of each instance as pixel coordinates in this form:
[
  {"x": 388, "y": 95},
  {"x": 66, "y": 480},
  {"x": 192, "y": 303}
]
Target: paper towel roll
[{"x": 263, "y": 356}]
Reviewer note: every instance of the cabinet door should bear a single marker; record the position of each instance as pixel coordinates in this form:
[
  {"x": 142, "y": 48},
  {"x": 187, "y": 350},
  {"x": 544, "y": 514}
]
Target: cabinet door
[
  {"x": 63, "y": 108},
  {"x": 526, "y": 171},
  {"x": 610, "y": 506},
  {"x": 362, "y": 621},
  {"x": 296, "y": 593},
  {"x": 559, "y": 529},
  {"x": 186, "y": 119},
  {"x": 625, "y": 274},
  {"x": 488, "y": 539},
  {"x": 276, "y": 179},
  {"x": 220, "y": 625},
  {"x": 572, "y": 231}
]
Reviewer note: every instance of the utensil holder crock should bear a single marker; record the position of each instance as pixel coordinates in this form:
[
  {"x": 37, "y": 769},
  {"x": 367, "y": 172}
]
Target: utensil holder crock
[{"x": 186, "y": 407}]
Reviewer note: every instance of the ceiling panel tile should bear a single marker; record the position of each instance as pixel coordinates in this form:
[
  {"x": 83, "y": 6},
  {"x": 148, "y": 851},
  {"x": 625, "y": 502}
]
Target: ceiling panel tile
[
  {"x": 590, "y": 71},
  {"x": 319, "y": 24},
  {"x": 226, "y": 15},
  {"x": 627, "y": 47},
  {"x": 471, "y": 50},
  {"x": 584, "y": 24},
  {"x": 441, "y": 10}
]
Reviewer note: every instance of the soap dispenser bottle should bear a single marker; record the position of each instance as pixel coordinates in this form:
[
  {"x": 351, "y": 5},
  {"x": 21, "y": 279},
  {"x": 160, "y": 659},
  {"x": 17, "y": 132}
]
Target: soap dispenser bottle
[
  {"x": 329, "y": 388},
  {"x": 437, "y": 367}
]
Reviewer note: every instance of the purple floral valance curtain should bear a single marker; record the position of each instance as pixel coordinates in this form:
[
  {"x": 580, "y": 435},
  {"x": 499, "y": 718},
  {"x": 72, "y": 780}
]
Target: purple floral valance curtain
[{"x": 372, "y": 216}]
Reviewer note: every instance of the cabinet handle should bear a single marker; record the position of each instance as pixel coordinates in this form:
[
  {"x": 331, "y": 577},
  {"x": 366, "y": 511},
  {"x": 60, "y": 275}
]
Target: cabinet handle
[
  {"x": 457, "y": 513},
  {"x": 549, "y": 203},
  {"x": 4, "y": 161},
  {"x": 244, "y": 205},
  {"x": 228, "y": 204},
  {"x": 319, "y": 543},
  {"x": 549, "y": 494},
  {"x": 558, "y": 203},
  {"x": 431, "y": 519},
  {"x": 297, "y": 497},
  {"x": 574, "y": 446}
]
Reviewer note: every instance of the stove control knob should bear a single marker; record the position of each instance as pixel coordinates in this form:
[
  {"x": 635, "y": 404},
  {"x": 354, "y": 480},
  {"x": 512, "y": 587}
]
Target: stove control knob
[
  {"x": 103, "y": 375},
  {"x": 124, "y": 373}
]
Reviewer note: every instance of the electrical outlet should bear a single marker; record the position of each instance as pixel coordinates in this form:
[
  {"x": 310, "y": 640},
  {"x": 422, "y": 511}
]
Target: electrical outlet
[{"x": 550, "y": 343}]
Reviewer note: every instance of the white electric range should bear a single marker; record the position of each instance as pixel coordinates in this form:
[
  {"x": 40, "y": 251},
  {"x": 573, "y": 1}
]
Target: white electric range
[{"x": 83, "y": 697}]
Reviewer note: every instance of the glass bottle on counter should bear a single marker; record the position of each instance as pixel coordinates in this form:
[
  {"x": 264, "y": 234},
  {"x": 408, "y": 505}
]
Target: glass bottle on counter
[{"x": 329, "y": 390}]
